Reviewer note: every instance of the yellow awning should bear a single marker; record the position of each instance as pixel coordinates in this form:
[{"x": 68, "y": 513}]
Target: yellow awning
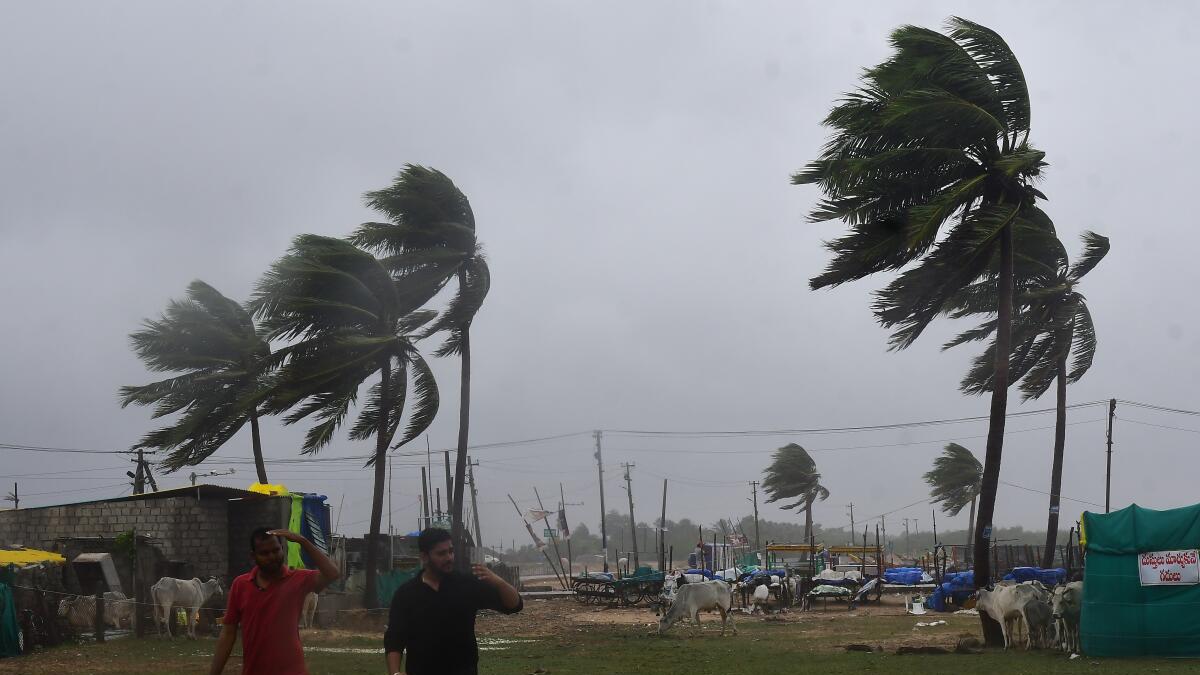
[{"x": 29, "y": 556}]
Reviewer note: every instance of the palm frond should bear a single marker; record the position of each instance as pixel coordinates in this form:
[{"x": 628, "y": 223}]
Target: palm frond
[{"x": 1095, "y": 247}]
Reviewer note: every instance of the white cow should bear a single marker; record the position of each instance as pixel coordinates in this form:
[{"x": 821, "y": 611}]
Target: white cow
[
  {"x": 308, "y": 610},
  {"x": 691, "y": 599},
  {"x": 1065, "y": 605},
  {"x": 80, "y": 610},
  {"x": 759, "y": 598},
  {"x": 1013, "y": 607},
  {"x": 190, "y": 594}
]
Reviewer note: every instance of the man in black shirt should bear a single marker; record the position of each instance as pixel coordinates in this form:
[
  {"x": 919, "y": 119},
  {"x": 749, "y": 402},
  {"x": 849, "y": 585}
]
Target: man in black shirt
[{"x": 433, "y": 616}]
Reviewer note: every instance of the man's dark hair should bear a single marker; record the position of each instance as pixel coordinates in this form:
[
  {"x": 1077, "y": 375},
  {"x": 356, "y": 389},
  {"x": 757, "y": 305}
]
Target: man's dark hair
[
  {"x": 259, "y": 534},
  {"x": 430, "y": 537}
]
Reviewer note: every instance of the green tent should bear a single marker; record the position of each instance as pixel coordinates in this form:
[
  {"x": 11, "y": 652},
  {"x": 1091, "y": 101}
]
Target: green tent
[
  {"x": 9, "y": 632},
  {"x": 1122, "y": 616}
]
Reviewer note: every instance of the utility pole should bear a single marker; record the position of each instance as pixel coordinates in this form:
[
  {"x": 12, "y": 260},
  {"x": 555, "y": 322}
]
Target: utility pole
[
  {"x": 425, "y": 499},
  {"x": 917, "y": 532},
  {"x": 662, "y": 532},
  {"x": 907, "y": 540},
  {"x": 852, "y": 530},
  {"x": 475, "y": 503},
  {"x": 553, "y": 537},
  {"x": 883, "y": 524},
  {"x": 603, "y": 526},
  {"x": 1112, "y": 411},
  {"x": 562, "y": 508},
  {"x": 632, "y": 522},
  {"x": 754, "y": 498},
  {"x": 449, "y": 489},
  {"x": 15, "y": 497}
]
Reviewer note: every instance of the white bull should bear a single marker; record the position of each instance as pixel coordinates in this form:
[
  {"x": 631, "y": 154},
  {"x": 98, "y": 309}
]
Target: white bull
[
  {"x": 691, "y": 599},
  {"x": 190, "y": 594},
  {"x": 1016, "y": 607},
  {"x": 1065, "y": 604}
]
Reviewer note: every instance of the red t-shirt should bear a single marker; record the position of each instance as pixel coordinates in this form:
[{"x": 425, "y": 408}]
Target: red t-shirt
[{"x": 270, "y": 620}]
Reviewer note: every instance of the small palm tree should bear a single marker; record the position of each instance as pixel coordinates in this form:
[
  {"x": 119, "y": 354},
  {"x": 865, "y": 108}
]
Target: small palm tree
[
  {"x": 793, "y": 475},
  {"x": 212, "y": 341},
  {"x": 954, "y": 482},
  {"x": 346, "y": 316},
  {"x": 428, "y": 241},
  {"x": 1053, "y": 327}
]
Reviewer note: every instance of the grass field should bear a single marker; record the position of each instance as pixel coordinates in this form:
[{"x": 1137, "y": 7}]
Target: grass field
[{"x": 562, "y": 639}]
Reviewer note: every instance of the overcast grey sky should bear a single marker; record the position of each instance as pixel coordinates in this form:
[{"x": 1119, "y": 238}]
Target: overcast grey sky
[{"x": 628, "y": 164}]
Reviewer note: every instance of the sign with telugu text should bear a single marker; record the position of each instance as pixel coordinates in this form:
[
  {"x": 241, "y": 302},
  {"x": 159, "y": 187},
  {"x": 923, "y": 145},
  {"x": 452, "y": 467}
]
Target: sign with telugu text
[{"x": 1169, "y": 568}]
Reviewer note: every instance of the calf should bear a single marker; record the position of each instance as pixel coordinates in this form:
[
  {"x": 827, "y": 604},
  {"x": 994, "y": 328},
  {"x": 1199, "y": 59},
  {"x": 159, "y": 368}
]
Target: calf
[
  {"x": 80, "y": 610},
  {"x": 693, "y": 598}
]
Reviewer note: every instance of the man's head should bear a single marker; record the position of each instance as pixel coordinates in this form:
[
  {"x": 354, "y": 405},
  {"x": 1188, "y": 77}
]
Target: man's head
[
  {"x": 267, "y": 550},
  {"x": 437, "y": 550}
]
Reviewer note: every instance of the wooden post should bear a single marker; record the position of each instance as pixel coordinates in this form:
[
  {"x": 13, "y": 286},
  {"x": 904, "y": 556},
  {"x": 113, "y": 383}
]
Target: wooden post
[
  {"x": 99, "y": 617},
  {"x": 553, "y": 539}
]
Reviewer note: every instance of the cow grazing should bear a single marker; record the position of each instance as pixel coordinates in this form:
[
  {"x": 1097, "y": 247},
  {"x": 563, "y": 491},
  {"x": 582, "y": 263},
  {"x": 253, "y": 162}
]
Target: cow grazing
[
  {"x": 308, "y": 610},
  {"x": 80, "y": 610},
  {"x": 190, "y": 594},
  {"x": 1065, "y": 608},
  {"x": 693, "y": 598}
]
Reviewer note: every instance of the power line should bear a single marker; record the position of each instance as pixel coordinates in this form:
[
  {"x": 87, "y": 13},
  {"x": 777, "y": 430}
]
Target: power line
[
  {"x": 837, "y": 430},
  {"x": 43, "y": 448},
  {"x": 1150, "y": 406},
  {"x": 1160, "y": 426},
  {"x": 1048, "y": 494}
]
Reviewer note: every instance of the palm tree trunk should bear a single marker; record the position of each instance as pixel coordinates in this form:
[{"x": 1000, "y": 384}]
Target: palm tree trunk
[
  {"x": 971, "y": 529},
  {"x": 995, "y": 440},
  {"x": 1060, "y": 442},
  {"x": 464, "y": 423},
  {"x": 370, "y": 599},
  {"x": 259, "y": 465}
]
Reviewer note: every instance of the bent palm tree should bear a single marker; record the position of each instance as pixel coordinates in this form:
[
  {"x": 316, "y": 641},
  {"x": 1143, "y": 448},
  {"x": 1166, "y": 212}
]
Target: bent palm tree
[
  {"x": 954, "y": 482},
  {"x": 937, "y": 136},
  {"x": 429, "y": 239},
  {"x": 349, "y": 323},
  {"x": 1054, "y": 323},
  {"x": 793, "y": 475},
  {"x": 212, "y": 341}
]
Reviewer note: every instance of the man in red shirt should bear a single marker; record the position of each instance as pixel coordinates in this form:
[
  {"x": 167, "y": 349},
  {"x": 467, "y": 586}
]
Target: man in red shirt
[{"x": 267, "y": 601}]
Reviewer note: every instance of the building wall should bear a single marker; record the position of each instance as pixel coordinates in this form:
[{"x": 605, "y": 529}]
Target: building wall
[
  {"x": 245, "y": 516},
  {"x": 183, "y": 528}
]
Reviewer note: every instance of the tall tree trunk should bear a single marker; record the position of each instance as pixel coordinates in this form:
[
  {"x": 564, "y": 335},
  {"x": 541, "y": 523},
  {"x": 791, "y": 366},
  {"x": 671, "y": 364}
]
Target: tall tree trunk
[
  {"x": 995, "y": 440},
  {"x": 382, "y": 439},
  {"x": 464, "y": 423},
  {"x": 259, "y": 464},
  {"x": 1060, "y": 442},
  {"x": 971, "y": 528}
]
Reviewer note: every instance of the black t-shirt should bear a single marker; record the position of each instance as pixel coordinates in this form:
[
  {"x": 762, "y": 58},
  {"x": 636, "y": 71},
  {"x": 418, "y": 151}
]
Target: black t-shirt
[{"x": 437, "y": 628}]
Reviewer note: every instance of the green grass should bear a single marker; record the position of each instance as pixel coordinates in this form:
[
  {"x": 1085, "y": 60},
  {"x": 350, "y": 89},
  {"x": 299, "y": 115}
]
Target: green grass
[{"x": 761, "y": 647}]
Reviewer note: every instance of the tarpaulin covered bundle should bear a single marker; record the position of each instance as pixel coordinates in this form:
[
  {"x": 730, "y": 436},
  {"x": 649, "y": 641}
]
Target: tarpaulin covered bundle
[
  {"x": 1120, "y": 617},
  {"x": 957, "y": 586},
  {"x": 903, "y": 575},
  {"x": 1048, "y": 577}
]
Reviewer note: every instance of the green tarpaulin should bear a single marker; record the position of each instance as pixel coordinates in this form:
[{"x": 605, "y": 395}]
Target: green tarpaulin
[
  {"x": 8, "y": 623},
  {"x": 386, "y": 584},
  {"x": 1121, "y": 617}
]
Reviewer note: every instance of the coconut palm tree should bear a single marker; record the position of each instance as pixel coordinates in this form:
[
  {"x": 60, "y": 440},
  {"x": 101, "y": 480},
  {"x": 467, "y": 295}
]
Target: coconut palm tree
[
  {"x": 221, "y": 358},
  {"x": 793, "y": 475},
  {"x": 429, "y": 240},
  {"x": 1053, "y": 327},
  {"x": 345, "y": 317},
  {"x": 954, "y": 482},
  {"x": 930, "y": 165}
]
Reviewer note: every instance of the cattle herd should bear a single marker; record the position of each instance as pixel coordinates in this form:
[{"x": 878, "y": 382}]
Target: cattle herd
[
  {"x": 168, "y": 595},
  {"x": 1029, "y": 614}
]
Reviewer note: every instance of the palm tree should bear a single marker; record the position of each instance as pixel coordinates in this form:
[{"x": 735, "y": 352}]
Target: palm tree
[
  {"x": 429, "y": 240},
  {"x": 935, "y": 139},
  {"x": 211, "y": 340},
  {"x": 954, "y": 482},
  {"x": 1053, "y": 324},
  {"x": 349, "y": 324},
  {"x": 793, "y": 475}
]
